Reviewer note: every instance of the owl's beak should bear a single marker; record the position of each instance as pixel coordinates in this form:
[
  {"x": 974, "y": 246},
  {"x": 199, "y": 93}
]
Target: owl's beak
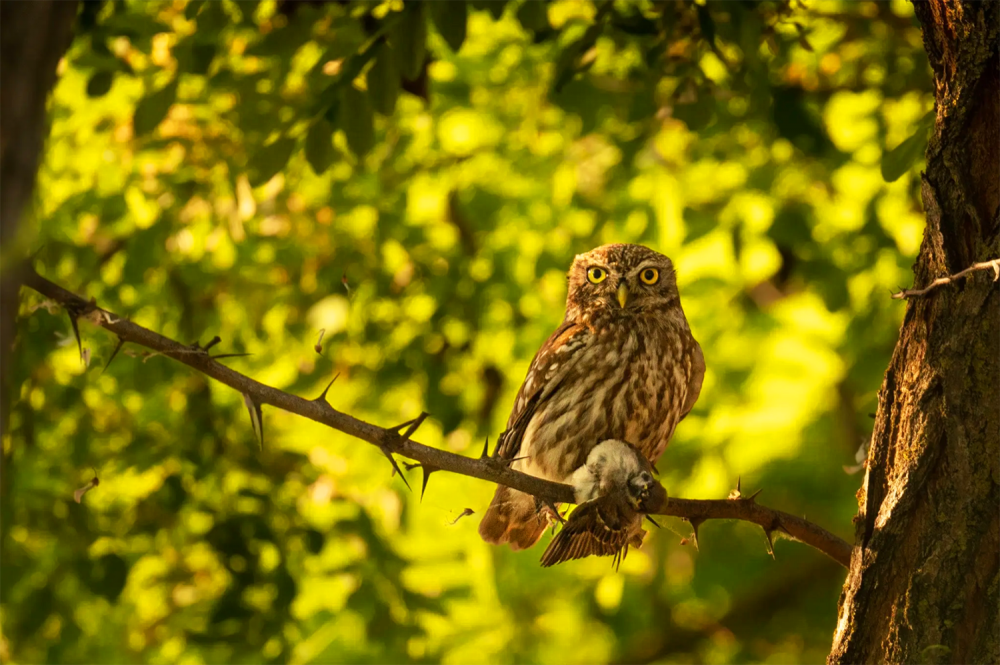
[{"x": 622, "y": 294}]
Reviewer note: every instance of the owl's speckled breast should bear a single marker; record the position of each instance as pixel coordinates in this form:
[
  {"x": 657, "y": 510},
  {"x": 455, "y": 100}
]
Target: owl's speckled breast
[{"x": 628, "y": 383}]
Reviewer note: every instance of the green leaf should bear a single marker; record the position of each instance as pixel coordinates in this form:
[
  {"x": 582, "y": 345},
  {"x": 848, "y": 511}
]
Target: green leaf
[
  {"x": 533, "y": 16},
  {"x": 283, "y": 42},
  {"x": 153, "y": 108},
  {"x": 267, "y": 161},
  {"x": 495, "y": 7},
  {"x": 797, "y": 122},
  {"x": 904, "y": 156},
  {"x": 134, "y": 25},
  {"x": 634, "y": 24},
  {"x": 195, "y": 55},
  {"x": 451, "y": 19},
  {"x": 192, "y": 8},
  {"x": 202, "y": 55},
  {"x": 383, "y": 81},
  {"x": 314, "y": 541},
  {"x": 319, "y": 146},
  {"x": 699, "y": 114},
  {"x": 108, "y": 576},
  {"x": 357, "y": 121},
  {"x": 707, "y": 24},
  {"x": 100, "y": 83},
  {"x": 566, "y": 65},
  {"x": 37, "y": 608},
  {"x": 409, "y": 41}
]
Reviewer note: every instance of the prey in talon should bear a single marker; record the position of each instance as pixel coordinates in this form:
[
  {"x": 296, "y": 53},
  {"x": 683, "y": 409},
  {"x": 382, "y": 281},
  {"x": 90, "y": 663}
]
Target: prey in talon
[{"x": 614, "y": 490}]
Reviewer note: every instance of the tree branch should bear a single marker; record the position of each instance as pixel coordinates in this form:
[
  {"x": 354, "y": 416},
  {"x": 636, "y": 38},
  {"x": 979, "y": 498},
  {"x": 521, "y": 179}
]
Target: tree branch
[
  {"x": 392, "y": 441},
  {"x": 940, "y": 281}
]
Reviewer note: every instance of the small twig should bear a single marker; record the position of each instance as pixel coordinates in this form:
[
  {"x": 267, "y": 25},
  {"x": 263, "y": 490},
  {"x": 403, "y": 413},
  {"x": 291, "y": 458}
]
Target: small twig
[
  {"x": 392, "y": 441},
  {"x": 940, "y": 281}
]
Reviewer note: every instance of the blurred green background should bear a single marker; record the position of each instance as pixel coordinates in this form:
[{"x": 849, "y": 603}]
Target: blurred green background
[{"x": 417, "y": 184}]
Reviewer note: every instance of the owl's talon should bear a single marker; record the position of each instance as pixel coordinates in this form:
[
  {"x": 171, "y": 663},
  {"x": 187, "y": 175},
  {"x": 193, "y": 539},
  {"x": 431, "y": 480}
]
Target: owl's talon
[{"x": 553, "y": 511}]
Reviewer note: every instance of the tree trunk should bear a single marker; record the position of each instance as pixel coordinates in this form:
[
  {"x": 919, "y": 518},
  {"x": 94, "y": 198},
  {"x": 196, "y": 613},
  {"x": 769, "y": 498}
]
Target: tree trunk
[
  {"x": 33, "y": 37},
  {"x": 924, "y": 575}
]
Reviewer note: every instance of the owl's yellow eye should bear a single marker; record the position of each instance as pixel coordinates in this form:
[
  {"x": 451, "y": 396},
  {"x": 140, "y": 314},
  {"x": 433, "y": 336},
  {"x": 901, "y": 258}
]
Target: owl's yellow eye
[
  {"x": 649, "y": 276},
  {"x": 596, "y": 275}
]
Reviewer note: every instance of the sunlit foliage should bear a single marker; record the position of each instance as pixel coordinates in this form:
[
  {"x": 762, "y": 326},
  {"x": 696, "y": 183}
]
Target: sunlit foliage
[{"x": 262, "y": 171}]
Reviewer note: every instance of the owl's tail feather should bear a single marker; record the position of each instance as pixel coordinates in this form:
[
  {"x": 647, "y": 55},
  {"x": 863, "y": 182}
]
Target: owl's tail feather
[{"x": 515, "y": 518}]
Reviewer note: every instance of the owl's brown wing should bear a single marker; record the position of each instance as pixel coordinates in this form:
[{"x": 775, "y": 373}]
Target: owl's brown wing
[
  {"x": 695, "y": 377},
  {"x": 548, "y": 369},
  {"x": 605, "y": 526}
]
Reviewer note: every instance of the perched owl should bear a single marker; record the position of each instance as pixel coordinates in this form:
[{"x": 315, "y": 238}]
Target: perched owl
[
  {"x": 623, "y": 365},
  {"x": 615, "y": 488}
]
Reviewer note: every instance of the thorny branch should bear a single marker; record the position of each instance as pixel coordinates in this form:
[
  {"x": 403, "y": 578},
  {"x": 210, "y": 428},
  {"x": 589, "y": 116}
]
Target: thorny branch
[
  {"x": 940, "y": 281},
  {"x": 397, "y": 440}
]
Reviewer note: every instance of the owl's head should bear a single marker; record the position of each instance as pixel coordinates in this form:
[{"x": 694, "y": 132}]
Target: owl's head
[{"x": 621, "y": 281}]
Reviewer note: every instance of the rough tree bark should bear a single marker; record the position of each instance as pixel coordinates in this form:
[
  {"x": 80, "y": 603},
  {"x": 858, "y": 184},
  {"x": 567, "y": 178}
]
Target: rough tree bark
[
  {"x": 33, "y": 37},
  {"x": 924, "y": 575}
]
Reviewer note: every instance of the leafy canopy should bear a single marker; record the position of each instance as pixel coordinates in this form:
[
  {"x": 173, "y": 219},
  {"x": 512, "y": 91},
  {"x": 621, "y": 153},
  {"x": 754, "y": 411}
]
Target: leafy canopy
[{"x": 414, "y": 179}]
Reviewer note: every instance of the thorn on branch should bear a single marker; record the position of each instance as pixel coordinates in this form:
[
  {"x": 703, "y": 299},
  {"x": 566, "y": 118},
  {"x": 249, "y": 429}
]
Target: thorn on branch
[
  {"x": 427, "y": 470},
  {"x": 118, "y": 346},
  {"x": 256, "y": 418},
  {"x": 735, "y": 495},
  {"x": 229, "y": 355},
  {"x": 212, "y": 342},
  {"x": 506, "y": 463},
  {"x": 754, "y": 495},
  {"x": 75, "y": 310},
  {"x": 395, "y": 466},
  {"x": 322, "y": 395},
  {"x": 654, "y": 522},
  {"x": 486, "y": 450},
  {"x": 770, "y": 542},
  {"x": 695, "y": 523},
  {"x": 410, "y": 425}
]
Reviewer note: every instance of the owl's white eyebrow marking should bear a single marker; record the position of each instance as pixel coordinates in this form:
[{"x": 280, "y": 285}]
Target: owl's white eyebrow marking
[{"x": 651, "y": 264}]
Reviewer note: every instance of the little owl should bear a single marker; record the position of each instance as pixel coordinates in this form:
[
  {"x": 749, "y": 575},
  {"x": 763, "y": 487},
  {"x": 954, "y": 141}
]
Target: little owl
[{"x": 623, "y": 365}]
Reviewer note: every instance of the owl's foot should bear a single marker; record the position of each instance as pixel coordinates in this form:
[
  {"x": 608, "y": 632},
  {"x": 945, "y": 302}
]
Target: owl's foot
[{"x": 552, "y": 512}]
